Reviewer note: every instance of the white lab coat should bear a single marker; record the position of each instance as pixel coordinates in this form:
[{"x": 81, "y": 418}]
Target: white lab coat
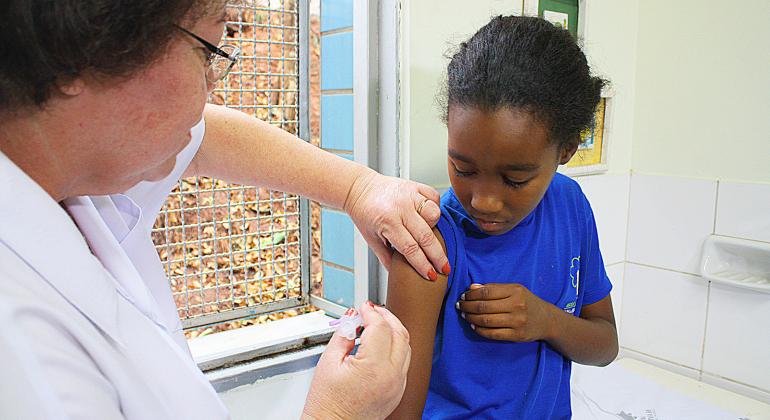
[{"x": 91, "y": 335}]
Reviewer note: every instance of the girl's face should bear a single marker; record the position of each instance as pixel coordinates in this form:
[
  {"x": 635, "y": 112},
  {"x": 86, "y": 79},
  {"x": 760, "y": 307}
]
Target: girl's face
[{"x": 500, "y": 164}]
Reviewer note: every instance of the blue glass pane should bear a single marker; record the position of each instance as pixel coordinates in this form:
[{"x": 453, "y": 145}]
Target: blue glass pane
[
  {"x": 338, "y": 285},
  {"x": 336, "y": 14},
  {"x": 337, "y": 122},
  {"x": 337, "y": 61},
  {"x": 337, "y": 238}
]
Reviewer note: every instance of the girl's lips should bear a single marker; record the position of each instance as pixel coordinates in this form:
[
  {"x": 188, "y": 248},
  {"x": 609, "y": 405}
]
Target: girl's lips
[{"x": 490, "y": 226}]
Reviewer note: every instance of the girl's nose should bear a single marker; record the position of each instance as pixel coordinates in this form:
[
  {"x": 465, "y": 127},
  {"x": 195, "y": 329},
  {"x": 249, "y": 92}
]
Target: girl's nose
[{"x": 486, "y": 203}]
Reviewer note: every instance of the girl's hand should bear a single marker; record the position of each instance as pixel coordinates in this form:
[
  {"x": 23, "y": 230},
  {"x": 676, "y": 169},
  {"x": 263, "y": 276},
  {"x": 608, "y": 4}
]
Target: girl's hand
[
  {"x": 506, "y": 312},
  {"x": 392, "y": 211}
]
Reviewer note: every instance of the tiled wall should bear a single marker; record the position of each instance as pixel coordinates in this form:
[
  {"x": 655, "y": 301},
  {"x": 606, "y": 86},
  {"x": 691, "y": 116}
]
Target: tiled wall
[
  {"x": 667, "y": 314},
  {"x": 337, "y": 137}
]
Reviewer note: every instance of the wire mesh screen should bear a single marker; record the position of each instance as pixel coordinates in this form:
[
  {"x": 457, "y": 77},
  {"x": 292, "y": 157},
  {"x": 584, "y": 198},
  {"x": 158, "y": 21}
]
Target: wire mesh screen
[{"x": 234, "y": 251}]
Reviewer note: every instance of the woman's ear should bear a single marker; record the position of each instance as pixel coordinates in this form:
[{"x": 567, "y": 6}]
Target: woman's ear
[
  {"x": 70, "y": 85},
  {"x": 567, "y": 151}
]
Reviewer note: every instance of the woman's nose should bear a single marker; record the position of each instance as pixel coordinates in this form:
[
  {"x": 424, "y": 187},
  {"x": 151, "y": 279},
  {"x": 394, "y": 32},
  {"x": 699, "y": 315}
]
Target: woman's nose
[{"x": 486, "y": 203}]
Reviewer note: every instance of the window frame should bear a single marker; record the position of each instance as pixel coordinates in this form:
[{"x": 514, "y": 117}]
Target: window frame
[{"x": 234, "y": 355}]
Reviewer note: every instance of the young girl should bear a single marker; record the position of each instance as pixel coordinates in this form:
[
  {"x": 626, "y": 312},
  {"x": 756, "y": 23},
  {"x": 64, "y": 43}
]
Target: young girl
[{"x": 528, "y": 293}]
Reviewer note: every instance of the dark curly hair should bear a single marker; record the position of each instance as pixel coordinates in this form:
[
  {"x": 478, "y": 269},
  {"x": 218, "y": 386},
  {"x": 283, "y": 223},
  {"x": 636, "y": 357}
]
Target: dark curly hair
[
  {"x": 529, "y": 64},
  {"x": 42, "y": 41}
]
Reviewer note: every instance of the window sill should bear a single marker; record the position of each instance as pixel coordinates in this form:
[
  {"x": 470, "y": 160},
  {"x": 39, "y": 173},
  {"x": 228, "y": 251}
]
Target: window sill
[{"x": 262, "y": 350}]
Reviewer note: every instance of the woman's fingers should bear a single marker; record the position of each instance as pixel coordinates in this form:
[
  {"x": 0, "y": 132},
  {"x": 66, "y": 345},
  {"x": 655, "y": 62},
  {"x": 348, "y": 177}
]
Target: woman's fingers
[
  {"x": 338, "y": 348},
  {"x": 383, "y": 252},
  {"x": 377, "y": 338},
  {"x": 417, "y": 242},
  {"x": 431, "y": 211},
  {"x": 400, "y": 345}
]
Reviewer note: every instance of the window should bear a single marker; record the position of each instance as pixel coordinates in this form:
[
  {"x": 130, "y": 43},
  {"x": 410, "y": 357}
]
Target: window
[
  {"x": 236, "y": 252},
  {"x": 238, "y": 255}
]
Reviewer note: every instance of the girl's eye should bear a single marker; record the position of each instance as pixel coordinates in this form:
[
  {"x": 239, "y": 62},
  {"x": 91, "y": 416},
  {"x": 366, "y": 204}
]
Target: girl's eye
[
  {"x": 514, "y": 184},
  {"x": 462, "y": 173}
]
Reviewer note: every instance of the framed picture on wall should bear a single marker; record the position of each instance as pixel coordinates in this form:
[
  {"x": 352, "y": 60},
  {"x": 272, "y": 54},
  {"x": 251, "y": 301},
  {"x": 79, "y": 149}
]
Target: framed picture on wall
[
  {"x": 591, "y": 156},
  {"x": 562, "y": 13}
]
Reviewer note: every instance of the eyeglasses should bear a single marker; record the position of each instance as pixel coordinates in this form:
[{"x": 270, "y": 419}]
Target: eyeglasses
[{"x": 220, "y": 59}]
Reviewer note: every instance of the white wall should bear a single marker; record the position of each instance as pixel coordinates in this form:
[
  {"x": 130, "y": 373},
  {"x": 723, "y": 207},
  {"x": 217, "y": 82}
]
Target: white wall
[
  {"x": 699, "y": 166},
  {"x": 430, "y": 28},
  {"x": 671, "y": 315},
  {"x": 702, "y": 89}
]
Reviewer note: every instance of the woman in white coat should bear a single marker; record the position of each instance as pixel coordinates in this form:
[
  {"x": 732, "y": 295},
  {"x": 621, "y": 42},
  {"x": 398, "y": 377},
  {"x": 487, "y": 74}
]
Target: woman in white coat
[{"x": 102, "y": 109}]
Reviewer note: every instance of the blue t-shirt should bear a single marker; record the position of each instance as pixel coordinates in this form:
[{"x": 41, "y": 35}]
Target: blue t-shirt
[{"x": 553, "y": 252}]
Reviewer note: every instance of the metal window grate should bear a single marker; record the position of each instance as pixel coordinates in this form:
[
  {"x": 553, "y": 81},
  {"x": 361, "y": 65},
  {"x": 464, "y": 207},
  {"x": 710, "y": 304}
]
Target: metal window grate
[{"x": 234, "y": 251}]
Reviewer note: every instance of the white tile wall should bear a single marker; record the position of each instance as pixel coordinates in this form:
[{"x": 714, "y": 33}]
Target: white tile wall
[
  {"x": 664, "y": 310},
  {"x": 669, "y": 218},
  {"x": 664, "y": 314},
  {"x": 608, "y": 195},
  {"x": 743, "y": 210},
  {"x": 738, "y": 336},
  {"x": 615, "y": 273}
]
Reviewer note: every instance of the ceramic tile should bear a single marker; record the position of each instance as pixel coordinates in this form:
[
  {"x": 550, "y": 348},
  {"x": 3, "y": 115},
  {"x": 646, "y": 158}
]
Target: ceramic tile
[
  {"x": 669, "y": 218},
  {"x": 743, "y": 211},
  {"x": 664, "y": 314},
  {"x": 738, "y": 336},
  {"x": 615, "y": 273},
  {"x": 608, "y": 195}
]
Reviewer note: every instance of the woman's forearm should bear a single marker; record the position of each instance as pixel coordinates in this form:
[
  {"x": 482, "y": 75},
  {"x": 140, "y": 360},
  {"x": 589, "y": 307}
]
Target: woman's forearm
[{"x": 242, "y": 149}]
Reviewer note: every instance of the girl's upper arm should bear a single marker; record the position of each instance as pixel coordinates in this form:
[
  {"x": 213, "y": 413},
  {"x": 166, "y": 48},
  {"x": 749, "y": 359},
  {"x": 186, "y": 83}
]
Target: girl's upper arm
[
  {"x": 601, "y": 310},
  {"x": 417, "y": 303}
]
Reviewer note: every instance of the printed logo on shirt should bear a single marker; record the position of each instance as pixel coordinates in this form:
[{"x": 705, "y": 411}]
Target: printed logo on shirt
[{"x": 574, "y": 277}]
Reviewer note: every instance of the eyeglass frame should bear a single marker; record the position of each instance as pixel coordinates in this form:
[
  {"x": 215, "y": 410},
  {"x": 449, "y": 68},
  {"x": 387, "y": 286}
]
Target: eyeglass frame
[{"x": 214, "y": 50}]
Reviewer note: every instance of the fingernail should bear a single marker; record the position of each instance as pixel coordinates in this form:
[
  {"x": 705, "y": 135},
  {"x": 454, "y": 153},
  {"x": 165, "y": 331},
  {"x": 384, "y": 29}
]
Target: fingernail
[
  {"x": 462, "y": 296},
  {"x": 457, "y": 305},
  {"x": 462, "y": 315},
  {"x": 473, "y": 327},
  {"x": 446, "y": 269},
  {"x": 369, "y": 302},
  {"x": 432, "y": 275}
]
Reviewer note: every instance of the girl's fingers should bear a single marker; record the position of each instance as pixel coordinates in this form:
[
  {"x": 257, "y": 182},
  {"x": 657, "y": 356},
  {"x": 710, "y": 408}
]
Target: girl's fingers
[
  {"x": 489, "y": 320},
  {"x": 499, "y": 306}
]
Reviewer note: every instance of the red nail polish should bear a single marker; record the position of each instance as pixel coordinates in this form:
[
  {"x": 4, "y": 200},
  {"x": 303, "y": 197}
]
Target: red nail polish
[
  {"x": 446, "y": 269},
  {"x": 369, "y": 302},
  {"x": 432, "y": 275}
]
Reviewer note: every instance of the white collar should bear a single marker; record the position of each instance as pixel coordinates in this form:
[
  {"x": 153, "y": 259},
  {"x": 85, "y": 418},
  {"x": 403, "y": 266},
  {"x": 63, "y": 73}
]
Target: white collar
[{"x": 42, "y": 234}]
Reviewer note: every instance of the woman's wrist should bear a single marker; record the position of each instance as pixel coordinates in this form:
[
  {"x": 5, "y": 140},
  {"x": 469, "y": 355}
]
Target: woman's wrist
[{"x": 362, "y": 178}]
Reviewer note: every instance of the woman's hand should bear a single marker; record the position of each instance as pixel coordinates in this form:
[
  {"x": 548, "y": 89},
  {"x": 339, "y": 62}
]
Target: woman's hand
[
  {"x": 392, "y": 211},
  {"x": 369, "y": 384},
  {"x": 507, "y": 312}
]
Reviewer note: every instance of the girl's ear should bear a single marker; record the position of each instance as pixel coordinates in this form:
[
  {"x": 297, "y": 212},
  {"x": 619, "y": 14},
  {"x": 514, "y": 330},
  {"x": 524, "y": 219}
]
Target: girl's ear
[{"x": 567, "y": 151}]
